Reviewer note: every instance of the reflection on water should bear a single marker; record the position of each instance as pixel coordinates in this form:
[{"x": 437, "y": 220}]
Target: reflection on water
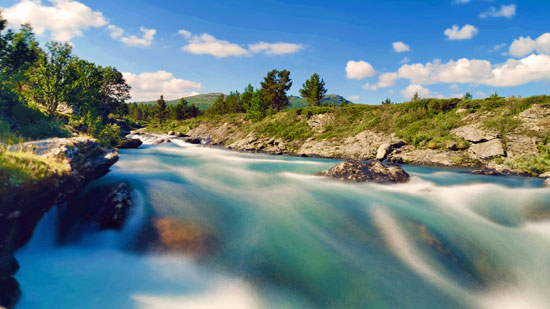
[{"x": 257, "y": 231}]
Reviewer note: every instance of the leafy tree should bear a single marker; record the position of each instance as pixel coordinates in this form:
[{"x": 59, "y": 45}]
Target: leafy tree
[
  {"x": 274, "y": 88},
  {"x": 313, "y": 90},
  {"x": 468, "y": 96},
  {"x": 114, "y": 91},
  {"x": 160, "y": 110},
  {"x": 51, "y": 81}
]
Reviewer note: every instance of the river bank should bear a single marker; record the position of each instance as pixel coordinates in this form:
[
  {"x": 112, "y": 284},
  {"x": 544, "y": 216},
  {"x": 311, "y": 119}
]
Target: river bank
[{"x": 79, "y": 160}]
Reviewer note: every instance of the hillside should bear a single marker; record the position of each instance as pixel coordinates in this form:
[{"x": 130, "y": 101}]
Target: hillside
[
  {"x": 203, "y": 101},
  {"x": 509, "y": 135}
]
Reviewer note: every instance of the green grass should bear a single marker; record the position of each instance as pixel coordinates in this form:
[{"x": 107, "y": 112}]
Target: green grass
[{"x": 18, "y": 168}]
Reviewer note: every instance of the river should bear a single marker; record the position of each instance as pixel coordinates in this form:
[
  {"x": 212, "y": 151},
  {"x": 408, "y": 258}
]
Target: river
[{"x": 284, "y": 237}]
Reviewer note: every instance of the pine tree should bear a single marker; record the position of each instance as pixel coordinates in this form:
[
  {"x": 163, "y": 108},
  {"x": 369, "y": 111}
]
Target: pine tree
[
  {"x": 313, "y": 90},
  {"x": 274, "y": 88},
  {"x": 160, "y": 110}
]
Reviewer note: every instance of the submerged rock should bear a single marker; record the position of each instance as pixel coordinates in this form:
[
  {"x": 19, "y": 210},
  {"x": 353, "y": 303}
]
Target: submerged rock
[
  {"x": 130, "y": 143},
  {"x": 372, "y": 171},
  {"x": 175, "y": 235}
]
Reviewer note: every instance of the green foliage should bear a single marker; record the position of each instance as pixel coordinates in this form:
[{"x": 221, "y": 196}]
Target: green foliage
[
  {"x": 287, "y": 126},
  {"x": 109, "y": 136},
  {"x": 274, "y": 88},
  {"x": 534, "y": 164},
  {"x": 160, "y": 110},
  {"x": 313, "y": 90}
]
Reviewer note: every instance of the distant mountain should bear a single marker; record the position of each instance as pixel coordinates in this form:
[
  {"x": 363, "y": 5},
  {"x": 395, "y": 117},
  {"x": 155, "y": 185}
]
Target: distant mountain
[{"x": 203, "y": 101}]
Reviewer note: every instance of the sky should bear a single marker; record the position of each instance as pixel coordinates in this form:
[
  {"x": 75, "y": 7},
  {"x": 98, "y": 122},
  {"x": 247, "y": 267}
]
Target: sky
[{"x": 364, "y": 50}]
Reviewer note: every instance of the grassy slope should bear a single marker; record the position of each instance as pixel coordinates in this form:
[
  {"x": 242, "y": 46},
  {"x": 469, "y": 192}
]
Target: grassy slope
[
  {"x": 424, "y": 123},
  {"x": 203, "y": 101}
]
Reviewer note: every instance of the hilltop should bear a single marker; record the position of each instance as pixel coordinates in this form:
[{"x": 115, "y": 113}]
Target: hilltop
[{"x": 203, "y": 101}]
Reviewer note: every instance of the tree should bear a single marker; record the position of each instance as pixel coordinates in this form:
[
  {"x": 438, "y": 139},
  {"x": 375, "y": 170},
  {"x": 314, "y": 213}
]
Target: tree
[
  {"x": 180, "y": 110},
  {"x": 114, "y": 91},
  {"x": 218, "y": 107},
  {"x": 313, "y": 90},
  {"x": 274, "y": 88},
  {"x": 468, "y": 96},
  {"x": 387, "y": 101},
  {"x": 246, "y": 97},
  {"x": 160, "y": 110},
  {"x": 416, "y": 97},
  {"x": 51, "y": 81}
]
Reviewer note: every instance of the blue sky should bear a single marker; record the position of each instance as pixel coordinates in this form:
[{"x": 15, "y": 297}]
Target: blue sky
[{"x": 501, "y": 46}]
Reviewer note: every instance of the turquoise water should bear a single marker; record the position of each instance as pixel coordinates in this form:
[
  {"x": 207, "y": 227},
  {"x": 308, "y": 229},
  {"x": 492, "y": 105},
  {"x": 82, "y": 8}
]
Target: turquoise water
[{"x": 288, "y": 238}]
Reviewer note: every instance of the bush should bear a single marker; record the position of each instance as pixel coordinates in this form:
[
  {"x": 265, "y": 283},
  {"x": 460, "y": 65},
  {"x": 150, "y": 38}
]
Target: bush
[{"x": 110, "y": 136}]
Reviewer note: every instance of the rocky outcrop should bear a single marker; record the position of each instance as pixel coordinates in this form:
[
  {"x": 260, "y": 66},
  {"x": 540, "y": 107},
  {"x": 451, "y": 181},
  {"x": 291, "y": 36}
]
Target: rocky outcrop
[
  {"x": 372, "y": 171},
  {"x": 319, "y": 122},
  {"x": 23, "y": 206},
  {"x": 474, "y": 134},
  {"x": 487, "y": 150},
  {"x": 130, "y": 143}
]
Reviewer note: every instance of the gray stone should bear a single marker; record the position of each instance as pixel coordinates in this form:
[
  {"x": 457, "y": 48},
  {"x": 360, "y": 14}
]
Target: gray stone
[
  {"x": 130, "y": 143},
  {"x": 383, "y": 151},
  {"x": 474, "y": 134},
  {"x": 372, "y": 171},
  {"x": 453, "y": 146},
  {"x": 547, "y": 182},
  {"x": 487, "y": 150}
]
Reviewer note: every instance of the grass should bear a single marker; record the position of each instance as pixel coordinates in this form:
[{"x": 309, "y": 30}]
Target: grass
[{"x": 18, "y": 168}]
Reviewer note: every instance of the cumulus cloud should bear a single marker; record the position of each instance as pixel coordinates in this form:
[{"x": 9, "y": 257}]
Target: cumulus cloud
[
  {"x": 280, "y": 48},
  {"x": 353, "y": 98},
  {"x": 464, "y": 33},
  {"x": 409, "y": 92},
  {"x": 359, "y": 69},
  {"x": 513, "y": 72},
  {"x": 384, "y": 80},
  {"x": 148, "y": 35},
  {"x": 149, "y": 86},
  {"x": 208, "y": 44},
  {"x": 400, "y": 47},
  {"x": 64, "y": 19},
  {"x": 525, "y": 45},
  {"x": 507, "y": 11},
  {"x": 115, "y": 31}
]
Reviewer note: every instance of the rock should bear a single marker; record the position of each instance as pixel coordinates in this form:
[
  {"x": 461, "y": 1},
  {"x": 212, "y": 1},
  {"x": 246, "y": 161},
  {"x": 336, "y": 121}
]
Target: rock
[
  {"x": 319, "y": 122},
  {"x": 175, "y": 235},
  {"x": 191, "y": 140},
  {"x": 105, "y": 207},
  {"x": 382, "y": 152},
  {"x": 474, "y": 134},
  {"x": 206, "y": 141},
  {"x": 372, "y": 171},
  {"x": 547, "y": 182},
  {"x": 179, "y": 134},
  {"x": 487, "y": 150},
  {"x": 8, "y": 264},
  {"x": 487, "y": 171},
  {"x": 9, "y": 291},
  {"x": 452, "y": 146},
  {"x": 171, "y": 133},
  {"x": 130, "y": 143},
  {"x": 545, "y": 175}
]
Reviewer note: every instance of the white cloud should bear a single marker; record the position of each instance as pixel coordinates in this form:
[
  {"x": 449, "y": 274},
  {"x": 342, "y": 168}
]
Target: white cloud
[
  {"x": 208, "y": 44},
  {"x": 149, "y": 86},
  {"x": 280, "y": 48},
  {"x": 400, "y": 47},
  {"x": 513, "y": 72},
  {"x": 359, "y": 69},
  {"x": 409, "y": 92},
  {"x": 464, "y": 33},
  {"x": 497, "y": 47},
  {"x": 507, "y": 11},
  {"x": 353, "y": 98},
  {"x": 116, "y": 32},
  {"x": 462, "y": 1},
  {"x": 64, "y": 19},
  {"x": 133, "y": 40},
  {"x": 384, "y": 80},
  {"x": 405, "y": 60},
  {"x": 525, "y": 45},
  {"x": 186, "y": 34}
]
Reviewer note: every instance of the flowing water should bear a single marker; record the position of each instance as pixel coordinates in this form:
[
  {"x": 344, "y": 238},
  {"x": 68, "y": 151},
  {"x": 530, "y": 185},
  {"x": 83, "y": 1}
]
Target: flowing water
[{"x": 288, "y": 238}]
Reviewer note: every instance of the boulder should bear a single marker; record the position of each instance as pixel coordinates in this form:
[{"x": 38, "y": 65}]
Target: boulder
[
  {"x": 386, "y": 149},
  {"x": 171, "y": 133},
  {"x": 9, "y": 291},
  {"x": 192, "y": 140},
  {"x": 130, "y": 143},
  {"x": 372, "y": 171},
  {"x": 547, "y": 182},
  {"x": 179, "y": 134},
  {"x": 452, "y": 146},
  {"x": 487, "y": 150},
  {"x": 175, "y": 235},
  {"x": 474, "y": 134}
]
